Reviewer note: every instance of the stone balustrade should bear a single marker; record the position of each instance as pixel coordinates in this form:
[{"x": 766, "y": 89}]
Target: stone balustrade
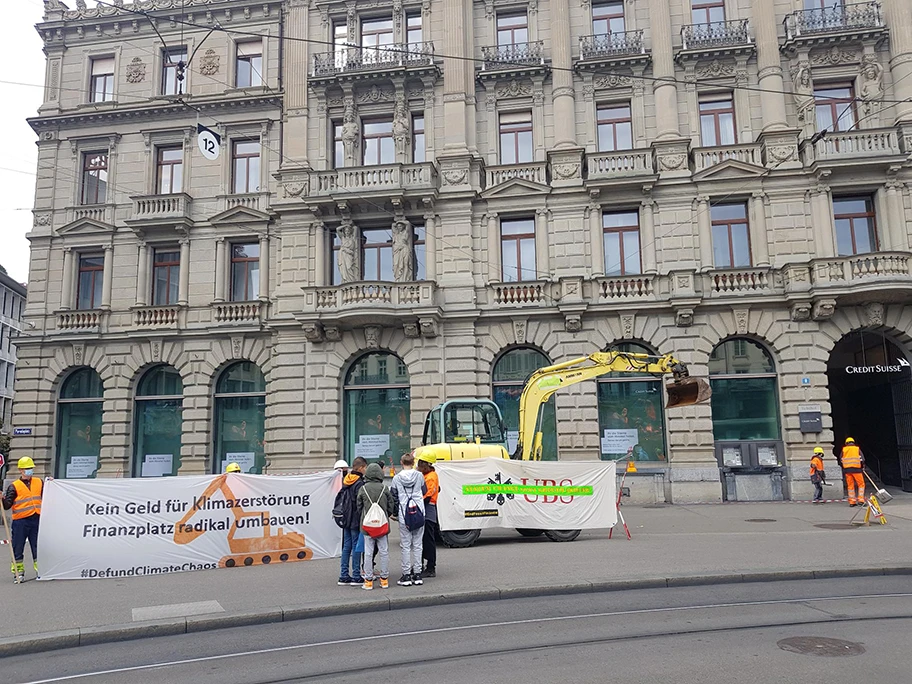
[
  {"x": 627, "y": 287},
  {"x": 238, "y": 312},
  {"x": 706, "y": 157},
  {"x": 742, "y": 281},
  {"x": 157, "y": 316},
  {"x": 383, "y": 178},
  {"x": 153, "y": 207},
  {"x": 534, "y": 172},
  {"x": 79, "y": 320},
  {"x": 370, "y": 294},
  {"x": 853, "y": 146},
  {"x": 619, "y": 164},
  {"x": 521, "y": 294}
]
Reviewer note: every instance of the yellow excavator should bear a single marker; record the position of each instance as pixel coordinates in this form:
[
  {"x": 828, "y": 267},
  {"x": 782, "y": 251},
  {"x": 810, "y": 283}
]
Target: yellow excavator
[{"x": 461, "y": 429}]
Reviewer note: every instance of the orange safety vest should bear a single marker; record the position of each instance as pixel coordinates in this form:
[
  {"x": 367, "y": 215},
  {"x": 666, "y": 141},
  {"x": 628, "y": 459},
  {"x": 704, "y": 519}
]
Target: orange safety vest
[
  {"x": 816, "y": 465},
  {"x": 28, "y": 498},
  {"x": 433, "y": 487},
  {"x": 851, "y": 458}
]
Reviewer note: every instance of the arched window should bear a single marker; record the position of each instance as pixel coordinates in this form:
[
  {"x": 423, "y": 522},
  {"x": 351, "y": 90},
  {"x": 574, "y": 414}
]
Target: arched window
[
  {"x": 631, "y": 419},
  {"x": 79, "y": 414},
  {"x": 158, "y": 423},
  {"x": 376, "y": 398},
  {"x": 745, "y": 405},
  {"x": 507, "y": 381},
  {"x": 240, "y": 418}
]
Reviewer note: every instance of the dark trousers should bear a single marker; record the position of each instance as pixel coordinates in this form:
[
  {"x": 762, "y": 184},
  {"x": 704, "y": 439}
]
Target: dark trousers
[
  {"x": 818, "y": 490},
  {"x": 25, "y": 528},
  {"x": 429, "y": 544}
]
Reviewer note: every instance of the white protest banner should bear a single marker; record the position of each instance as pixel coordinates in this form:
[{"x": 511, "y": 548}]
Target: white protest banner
[
  {"x": 540, "y": 495},
  {"x": 144, "y": 526}
]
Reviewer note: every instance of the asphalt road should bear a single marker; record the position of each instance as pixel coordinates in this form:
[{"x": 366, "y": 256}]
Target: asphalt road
[{"x": 762, "y": 633}]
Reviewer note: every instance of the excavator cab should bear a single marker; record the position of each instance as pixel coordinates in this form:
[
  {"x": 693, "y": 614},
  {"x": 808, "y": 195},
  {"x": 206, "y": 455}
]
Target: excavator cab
[{"x": 687, "y": 391}]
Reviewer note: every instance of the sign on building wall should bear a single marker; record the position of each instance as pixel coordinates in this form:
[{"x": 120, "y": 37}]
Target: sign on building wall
[
  {"x": 810, "y": 419},
  {"x": 541, "y": 495},
  {"x": 135, "y": 527}
]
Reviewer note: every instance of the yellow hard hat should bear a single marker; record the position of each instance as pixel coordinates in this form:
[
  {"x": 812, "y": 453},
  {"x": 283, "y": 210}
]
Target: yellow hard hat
[
  {"x": 233, "y": 468},
  {"x": 818, "y": 450},
  {"x": 428, "y": 457},
  {"x": 25, "y": 463},
  {"x": 850, "y": 440}
]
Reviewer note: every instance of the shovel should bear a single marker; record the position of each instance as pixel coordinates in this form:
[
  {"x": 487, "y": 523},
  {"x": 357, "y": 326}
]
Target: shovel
[
  {"x": 687, "y": 391},
  {"x": 883, "y": 496}
]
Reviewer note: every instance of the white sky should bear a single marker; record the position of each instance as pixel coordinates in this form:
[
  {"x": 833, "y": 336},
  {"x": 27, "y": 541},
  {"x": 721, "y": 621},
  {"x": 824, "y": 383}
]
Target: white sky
[{"x": 20, "y": 53}]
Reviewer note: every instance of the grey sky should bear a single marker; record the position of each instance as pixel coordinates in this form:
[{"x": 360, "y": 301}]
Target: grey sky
[{"x": 20, "y": 51}]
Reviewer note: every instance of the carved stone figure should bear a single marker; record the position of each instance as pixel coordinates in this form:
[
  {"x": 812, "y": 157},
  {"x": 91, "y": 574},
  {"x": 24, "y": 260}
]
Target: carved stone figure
[
  {"x": 403, "y": 260},
  {"x": 348, "y": 252},
  {"x": 136, "y": 71},
  {"x": 210, "y": 63},
  {"x": 372, "y": 336},
  {"x": 350, "y": 132},
  {"x": 872, "y": 88},
  {"x": 81, "y": 5},
  {"x": 804, "y": 98},
  {"x": 401, "y": 128}
]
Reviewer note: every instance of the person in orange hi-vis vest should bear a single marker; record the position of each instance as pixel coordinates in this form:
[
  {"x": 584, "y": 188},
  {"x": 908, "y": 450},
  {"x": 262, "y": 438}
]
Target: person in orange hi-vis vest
[
  {"x": 818, "y": 474},
  {"x": 23, "y": 496},
  {"x": 852, "y": 462}
]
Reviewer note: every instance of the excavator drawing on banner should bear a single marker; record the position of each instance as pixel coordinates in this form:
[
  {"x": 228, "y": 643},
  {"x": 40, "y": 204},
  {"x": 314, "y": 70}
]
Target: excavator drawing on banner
[{"x": 283, "y": 546}]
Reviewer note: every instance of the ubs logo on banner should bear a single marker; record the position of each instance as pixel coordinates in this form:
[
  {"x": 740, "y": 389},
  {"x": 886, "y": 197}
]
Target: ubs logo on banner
[
  {"x": 858, "y": 370},
  {"x": 545, "y": 498}
]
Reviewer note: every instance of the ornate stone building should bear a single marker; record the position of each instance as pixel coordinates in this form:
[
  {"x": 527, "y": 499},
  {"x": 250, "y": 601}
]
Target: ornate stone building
[{"x": 420, "y": 199}]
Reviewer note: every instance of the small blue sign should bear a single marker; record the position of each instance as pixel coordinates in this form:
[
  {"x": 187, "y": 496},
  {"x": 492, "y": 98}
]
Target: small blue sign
[
  {"x": 805, "y": 381},
  {"x": 22, "y": 432}
]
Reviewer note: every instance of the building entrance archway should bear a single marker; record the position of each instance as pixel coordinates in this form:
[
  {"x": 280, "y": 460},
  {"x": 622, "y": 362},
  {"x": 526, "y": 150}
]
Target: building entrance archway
[{"x": 870, "y": 384}]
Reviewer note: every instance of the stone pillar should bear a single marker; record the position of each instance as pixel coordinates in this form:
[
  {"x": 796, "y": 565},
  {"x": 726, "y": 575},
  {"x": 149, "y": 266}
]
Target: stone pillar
[
  {"x": 264, "y": 268},
  {"x": 183, "y": 288},
  {"x": 430, "y": 247},
  {"x": 321, "y": 255},
  {"x": 542, "y": 253},
  {"x": 647, "y": 236},
  {"x": 758, "y": 230},
  {"x": 66, "y": 291},
  {"x": 455, "y": 81},
  {"x": 107, "y": 280},
  {"x": 142, "y": 278},
  {"x": 221, "y": 268},
  {"x": 666, "y": 94},
  {"x": 899, "y": 20},
  {"x": 896, "y": 233},
  {"x": 296, "y": 65},
  {"x": 704, "y": 233},
  {"x": 562, "y": 76},
  {"x": 822, "y": 218},
  {"x": 494, "y": 263},
  {"x": 597, "y": 238},
  {"x": 769, "y": 65}
]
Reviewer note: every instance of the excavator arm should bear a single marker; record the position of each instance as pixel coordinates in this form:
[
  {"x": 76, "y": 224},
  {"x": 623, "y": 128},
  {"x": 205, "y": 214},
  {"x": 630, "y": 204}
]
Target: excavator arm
[{"x": 683, "y": 391}]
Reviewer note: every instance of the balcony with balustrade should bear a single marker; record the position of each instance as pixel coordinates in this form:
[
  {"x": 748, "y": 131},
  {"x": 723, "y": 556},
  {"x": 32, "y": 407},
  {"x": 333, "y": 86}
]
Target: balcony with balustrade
[
  {"x": 369, "y": 302},
  {"x": 381, "y": 180},
  {"x": 506, "y": 61},
  {"x": 742, "y": 283},
  {"x": 835, "y": 23},
  {"x": 151, "y": 210},
  {"x": 706, "y": 157},
  {"x": 96, "y": 213},
  {"x": 624, "y": 47},
  {"x": 715, "y": 39},
  {"x": 167, "y": 317},
  {"x": 355, "y": 63},
  {"x": 532, "y": 293},
  {"x": 534, "y": 172},
  {"x": 81, "y": 320},
  {"x": 238, "y": 313},
  {"x": 876, "y": 146},
  {"x": 851, "y": 279},
  {"x": 619, "y": 166}
]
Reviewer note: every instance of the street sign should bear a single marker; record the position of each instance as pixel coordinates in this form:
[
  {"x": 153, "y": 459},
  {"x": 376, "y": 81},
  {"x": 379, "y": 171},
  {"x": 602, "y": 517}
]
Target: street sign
[
  {"x": 22, "y": 432},
  {"x": 210, "y": 142}
]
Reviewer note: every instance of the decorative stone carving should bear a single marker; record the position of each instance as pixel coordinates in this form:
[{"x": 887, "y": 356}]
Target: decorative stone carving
[
  {"x": 313, "y": 332},
  {"x": 81, "y": 5},
  {"x": 411, "y": 330},
  {"x": 573, "y": 323},
  {"x": 684, "y": 318},
  {"x": 875, "y": 313},
  {"x": 834, "y": 56},
  {"x": 209, "y": 65},
  {"x": 455, "y": 176},
  {"x": 672, "y": 162},
  {"x": 295, "y": 188},
  {"x": 372, "y": 337},
  {"x": 801, "y": 311},
  {"x": 613, "y": 81},
  {"x": 136, "y": 71},
  {"x": 872, "y": 88},
  {"x": 156, "y": 350},
  {"x": 782, "y": 153},
  {"x": 513, "y": 89},
  {"x": 627, "y": 323},
  {"x": 824, "y": 309},
  {"x": 741, "y": 321},
  {"x": 333, "y": 333},
  {"x": 350, "y": 132},
  {"x": 519, "y": 330},
  {"x": 349, "y": 252},
  {"x": 716, "y": 69},
  {"x": 237, "y": 346},
  {"x": 374, "y": 94},
  {"x": 403, "y": 255},
  {"x": 803, "y": 89},
  {"x": 589, "y": 91},
  {"x": 43, "y": 220},
  {"x": 429, "y": 327},
  {"x": 401, "y": 132},
  {"x": 78, "y": 354},
  {"x": 565, "y": 171}
]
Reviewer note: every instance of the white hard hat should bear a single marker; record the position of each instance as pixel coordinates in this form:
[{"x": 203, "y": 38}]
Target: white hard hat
[{"x": 340, "y": 465}]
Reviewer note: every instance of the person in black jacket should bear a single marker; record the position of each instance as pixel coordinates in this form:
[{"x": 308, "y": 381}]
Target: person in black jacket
[{"x": 351, "y": 524}]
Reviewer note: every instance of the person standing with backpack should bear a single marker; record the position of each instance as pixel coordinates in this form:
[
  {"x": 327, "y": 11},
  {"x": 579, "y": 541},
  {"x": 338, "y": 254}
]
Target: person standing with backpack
[
  {"x": 348, "y": 517},
  {"x": 375, "y": 505},
  {"x": 429, "y": 542},
  {"x": 409, "y": 489}
]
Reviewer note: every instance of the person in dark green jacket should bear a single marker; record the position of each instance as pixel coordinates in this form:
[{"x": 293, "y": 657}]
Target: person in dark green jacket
[{"x": 374, "y": 491}]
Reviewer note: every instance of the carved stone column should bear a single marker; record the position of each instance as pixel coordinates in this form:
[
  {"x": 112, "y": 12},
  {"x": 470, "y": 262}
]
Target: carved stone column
[
  {"x": 704, "y": 233},
  {"x": 822, "y": 217},
  {"x": 349, "y": 251},
  {"x": 495, "y": 267},
  {"x": 66, "y": 291},
  {"x": 899, "y": 20},
  {"x": 351, "y": 133},
  {"x": 183, "y": 287},
  {"x": 456, "y": 81},
  {"x": 769, "y": 64},
  {"x": 321, "y": 254},
  {"x": 758, "y": 230},
  {"x": 264, "y": 268},
  {"x": 295, "y": 65},
  {"x": 562, "y": 76},
  {"x": 666, "y": 94},
  {"x": 542, "y": 252},
  {"x": 896, "y": 233},
  {"x": 221, "y": 268},
  {"x": 647, "y": 236},
  {"x": 142, "y": 274},
  {"x": 107, "y": 280}
]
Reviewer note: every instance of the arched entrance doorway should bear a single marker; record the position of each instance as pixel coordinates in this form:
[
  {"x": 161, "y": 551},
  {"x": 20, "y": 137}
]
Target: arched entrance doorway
[{"x": 870, "y": 385}]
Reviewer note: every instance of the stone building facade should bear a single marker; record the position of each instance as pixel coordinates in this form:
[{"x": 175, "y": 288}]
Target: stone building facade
[
  {"x": 424, "y": 199},
  {"x": 12, "y": 304}
]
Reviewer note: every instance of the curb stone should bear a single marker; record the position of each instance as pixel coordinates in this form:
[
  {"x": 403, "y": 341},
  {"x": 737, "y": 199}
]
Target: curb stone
[{"x": 87, "y": 636}]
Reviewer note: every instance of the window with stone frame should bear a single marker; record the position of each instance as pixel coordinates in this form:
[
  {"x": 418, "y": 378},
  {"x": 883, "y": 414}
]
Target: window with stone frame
[
  {"x": 377, "y": 141},
  {"x": 515, "y": 137},
  {"x": 418, "y": 139},
  {"x": 172, "y": 58},
  {"x": 730, "y": 236},
  {"x": 245, "y": 166},
  {"x": 608, "y": 17},
  {"x": 621, "y": 239},
  {"x": 419, "y": 248},
  {"x": 413, "y": 30},
  {"x": 338, "y": 153},
  {"x": 512, "y": 29},
  {"x": 245, "y": 271},
  {"x": 101, "y": 88},
  {"x": 717, "y": 120},
  {"x": 89, "y": 281},
  {"x": 169, "y": 170},
  {"x": 166, "y": 267},
  {"x": 377, "y": 254},
  {"x": 94, "y": 178},
  {"x": 249, "y": 64},
  {"x": 517, "y": 249},
  {"x": 376, "y": 38},
  {"x": 834, "y": 107},
  {"x": 615, "y": 127},
  {"x": 707, "y": 11},
  {"x": 855, "y": 224}
]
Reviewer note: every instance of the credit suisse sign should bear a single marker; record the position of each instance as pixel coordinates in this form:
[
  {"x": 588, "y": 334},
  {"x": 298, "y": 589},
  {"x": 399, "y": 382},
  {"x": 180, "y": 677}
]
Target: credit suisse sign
[{"x": 856, "y": 370}]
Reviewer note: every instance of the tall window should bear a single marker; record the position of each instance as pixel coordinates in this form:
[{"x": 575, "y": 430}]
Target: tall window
[
  {"x": 101, "y": 88},
  {"x": 376, "y": 36},
  {"x": 508, "y": 378},
  {"x": 413, "y": 29},
  {"x": 246, "y": 167},
  {"x": 608, "y": 17},
  {"x": 517, "y": 247},
  {"x": 744, "y": 399},
  {"x": 91, "y": 271},
  {"x": 249, "y": 68},
  {"x": 856, "y": 225},
  {"x": 717, "y": 120},
  {"x": 94, "y": 178},
  {"x": 377, "y": 137},
  {"x": 377, "y": 254},
  {"x": 420, "y": 248},
  {"x": 377, "y": 408},
  {"x": 158, "y": 422},
  {"x": 170, "y": 170},
  {"x": 516, "y": 138},
  {"x": 340, "y": 43},
  {"x": 835, "y": 107},
  {"x": 512, "y": 29},
  {"x": 631, "y": 419},
  {"x": 338, "y": 146},
  {"x": 622, "y": 242},
  {"x": 707, "y": 11},
  {"x": 79, "y": 417},
  {"x": 165, "y": 276},
  {"x": 730, "y": 236},
  {"x": 334, "y": 259},
  {"x": 240, "y": 418},
  {"x": 418, "y": 141},
  {"x": 171, "y": 61},
  {"x": 245, "y": 272},
  {"x": 615, "y": 130}
]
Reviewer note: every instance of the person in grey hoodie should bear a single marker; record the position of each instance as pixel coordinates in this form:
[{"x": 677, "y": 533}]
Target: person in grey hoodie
[
  {"x": 374, "y": 491},
  {"x": 409, "y": 487}
]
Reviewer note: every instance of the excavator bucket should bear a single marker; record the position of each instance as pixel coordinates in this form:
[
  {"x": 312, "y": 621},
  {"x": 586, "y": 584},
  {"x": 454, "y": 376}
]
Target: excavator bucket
[{"x": 687, "y": 391}]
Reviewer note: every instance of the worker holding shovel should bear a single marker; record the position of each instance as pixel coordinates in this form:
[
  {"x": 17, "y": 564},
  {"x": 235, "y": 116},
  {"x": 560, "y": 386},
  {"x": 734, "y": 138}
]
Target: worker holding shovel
[{"x": 818, "y": 474}]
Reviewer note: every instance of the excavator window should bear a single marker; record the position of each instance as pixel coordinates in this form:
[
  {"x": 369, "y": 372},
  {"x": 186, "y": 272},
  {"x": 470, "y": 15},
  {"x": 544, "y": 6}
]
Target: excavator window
[
  {"x": 432, "y": 427},
  {"x": 466, "y": 422}
]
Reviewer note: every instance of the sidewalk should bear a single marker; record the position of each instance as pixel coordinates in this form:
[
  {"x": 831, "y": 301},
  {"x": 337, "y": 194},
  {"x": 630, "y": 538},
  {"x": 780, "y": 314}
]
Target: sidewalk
[{"x": 678, "y": 544}]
